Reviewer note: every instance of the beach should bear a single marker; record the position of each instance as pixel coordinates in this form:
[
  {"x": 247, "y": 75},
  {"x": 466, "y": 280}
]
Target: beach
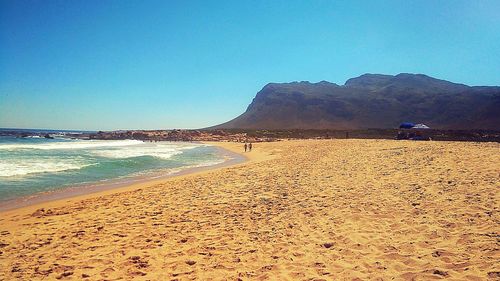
[{"x": 295, "y": 210}]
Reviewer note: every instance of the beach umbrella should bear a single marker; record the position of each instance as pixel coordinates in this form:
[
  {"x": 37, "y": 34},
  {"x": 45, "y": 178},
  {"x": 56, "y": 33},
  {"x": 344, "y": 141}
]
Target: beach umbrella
[{"x": 406, "y": 125}]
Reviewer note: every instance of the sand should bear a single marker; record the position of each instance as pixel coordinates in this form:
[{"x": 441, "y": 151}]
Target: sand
[{"x": 297, "y": 210}]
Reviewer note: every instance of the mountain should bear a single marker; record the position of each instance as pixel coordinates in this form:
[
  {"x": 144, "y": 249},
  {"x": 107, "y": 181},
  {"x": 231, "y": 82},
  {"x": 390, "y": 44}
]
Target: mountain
[{"x": 372, "y": 101}]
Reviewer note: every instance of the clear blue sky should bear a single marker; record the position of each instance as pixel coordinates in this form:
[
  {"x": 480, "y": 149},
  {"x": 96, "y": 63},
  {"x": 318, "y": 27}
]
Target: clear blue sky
[{"x": 190, "y": 64}]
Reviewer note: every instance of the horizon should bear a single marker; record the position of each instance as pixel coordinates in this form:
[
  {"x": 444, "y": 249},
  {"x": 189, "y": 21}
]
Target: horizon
[
  {"x": 159, "y": 129},
  {"x": 89, "y": 65},
  {"x": 203, "y": 128}
]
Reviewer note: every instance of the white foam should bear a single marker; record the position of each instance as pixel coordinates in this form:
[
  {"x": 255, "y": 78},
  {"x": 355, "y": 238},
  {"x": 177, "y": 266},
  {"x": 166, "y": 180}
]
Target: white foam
[
  {"x": 13, "y": 167},
  {"x": 21, "y": 168},
  {"x": 158, "y": 150},
  {"x": 74, "y": 144},
  {"x": 137, "y": 152}
]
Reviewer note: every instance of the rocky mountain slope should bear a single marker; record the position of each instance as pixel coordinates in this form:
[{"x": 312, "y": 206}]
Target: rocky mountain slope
[{"x": 372, "y": 101}]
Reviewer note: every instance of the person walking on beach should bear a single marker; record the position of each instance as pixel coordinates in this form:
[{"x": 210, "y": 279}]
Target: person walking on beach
[
  {"x": 245, "y": 147},
  {"x": 250, "y": 147}
]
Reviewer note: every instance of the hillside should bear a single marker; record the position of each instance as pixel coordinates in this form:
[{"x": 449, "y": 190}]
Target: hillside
[{"x": 372, "y": 101}]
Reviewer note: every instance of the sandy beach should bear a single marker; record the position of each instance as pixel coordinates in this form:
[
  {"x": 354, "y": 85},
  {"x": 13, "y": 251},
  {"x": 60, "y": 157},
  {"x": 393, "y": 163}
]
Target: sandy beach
[{"x": 296, "y": 210}]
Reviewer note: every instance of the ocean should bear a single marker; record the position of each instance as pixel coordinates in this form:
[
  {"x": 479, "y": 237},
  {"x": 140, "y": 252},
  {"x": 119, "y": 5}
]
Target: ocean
[{"x": 34, "y": 165}]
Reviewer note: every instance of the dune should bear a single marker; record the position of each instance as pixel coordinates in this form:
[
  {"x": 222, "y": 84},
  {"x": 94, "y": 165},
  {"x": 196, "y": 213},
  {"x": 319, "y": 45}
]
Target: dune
[{"x": 296, "y": 210}]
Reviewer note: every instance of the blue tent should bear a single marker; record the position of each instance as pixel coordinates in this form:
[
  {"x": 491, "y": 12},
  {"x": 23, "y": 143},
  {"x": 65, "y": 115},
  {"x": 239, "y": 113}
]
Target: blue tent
[{"x": 406, "y": 125}]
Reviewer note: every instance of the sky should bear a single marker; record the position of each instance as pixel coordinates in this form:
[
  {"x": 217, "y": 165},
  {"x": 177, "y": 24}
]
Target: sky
[{"x": 107, "y": 65}]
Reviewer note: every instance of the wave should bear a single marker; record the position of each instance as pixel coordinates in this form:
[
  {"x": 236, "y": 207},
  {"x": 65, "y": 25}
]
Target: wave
[
  {"x": 77, "y": 144},
  {"x": 22, "y": 168},
  {"x": 163, "y": 151},
  {"x": 17, "y": 160}
]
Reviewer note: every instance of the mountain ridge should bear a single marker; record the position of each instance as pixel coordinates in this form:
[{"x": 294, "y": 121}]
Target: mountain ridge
[{"x": 371, "y": 101}]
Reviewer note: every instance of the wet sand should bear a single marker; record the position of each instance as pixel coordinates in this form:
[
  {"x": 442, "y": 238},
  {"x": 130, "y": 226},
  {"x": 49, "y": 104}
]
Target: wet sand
[{"x": 297, "y": 210}]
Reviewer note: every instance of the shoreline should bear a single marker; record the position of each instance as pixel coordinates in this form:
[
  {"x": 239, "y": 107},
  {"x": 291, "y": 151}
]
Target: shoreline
[
  {"x": 74, "y": 193},
  {"x": 315, "y": 209}
]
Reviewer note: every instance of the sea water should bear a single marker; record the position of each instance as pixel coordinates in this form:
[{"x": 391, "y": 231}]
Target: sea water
[{"x": 35, "y": 164}]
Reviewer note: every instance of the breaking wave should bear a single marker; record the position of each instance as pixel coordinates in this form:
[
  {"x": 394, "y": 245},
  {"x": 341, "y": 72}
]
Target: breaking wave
[
  {"x": 21, "y": 168},
  {"x": 77, "y": 144}
]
